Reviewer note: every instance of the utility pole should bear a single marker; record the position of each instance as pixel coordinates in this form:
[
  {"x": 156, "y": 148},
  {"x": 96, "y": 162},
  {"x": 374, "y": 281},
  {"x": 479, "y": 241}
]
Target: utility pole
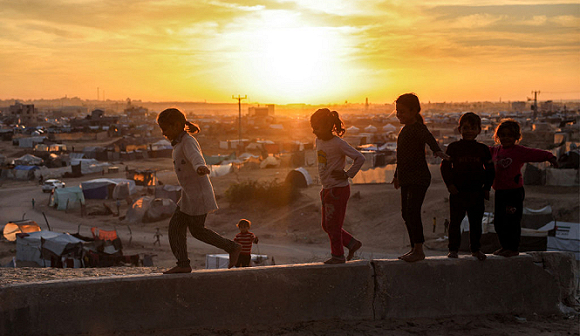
[
  {"x": 535, "y": 106},
  {"x": 239, "y": 98}
]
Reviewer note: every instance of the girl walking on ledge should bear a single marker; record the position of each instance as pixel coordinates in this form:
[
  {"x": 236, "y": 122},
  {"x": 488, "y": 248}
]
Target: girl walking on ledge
[
  {"x": 412, "y": 173},
  {"x": 332, "y": 152},
  {"x": 197, "y": 195}
]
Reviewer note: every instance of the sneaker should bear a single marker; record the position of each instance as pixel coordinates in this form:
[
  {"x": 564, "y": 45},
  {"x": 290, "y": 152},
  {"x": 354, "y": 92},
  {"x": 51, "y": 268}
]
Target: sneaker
[
  {"x": 335, "y": 260},
  {"x": 498, "y": 252},
  {"x": 453, "y": 254},
  {"x": 357, "y": 245},
  {"x": 479, "y": 255}
]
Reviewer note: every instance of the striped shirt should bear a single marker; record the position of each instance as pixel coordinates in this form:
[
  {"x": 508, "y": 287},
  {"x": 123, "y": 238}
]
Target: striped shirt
[{"x": 246, "y": 240}]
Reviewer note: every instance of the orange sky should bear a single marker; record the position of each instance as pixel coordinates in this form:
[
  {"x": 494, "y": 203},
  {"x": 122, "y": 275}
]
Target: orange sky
[{"x": 289, "y": 51}]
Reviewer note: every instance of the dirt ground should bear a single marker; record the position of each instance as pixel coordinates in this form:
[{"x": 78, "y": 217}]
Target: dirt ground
[{"x": 291, "y": 234}]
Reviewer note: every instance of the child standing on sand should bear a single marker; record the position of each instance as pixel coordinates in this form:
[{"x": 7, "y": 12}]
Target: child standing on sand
[
  {"x": 245, "y": 238},
  {"x": 509, "y": 158},
  {"x": 412, "y": 173},
  {"x": 468, "y": 175},
  {"x": 332, "y": 152},
  {"x": 197, "y": 195}
]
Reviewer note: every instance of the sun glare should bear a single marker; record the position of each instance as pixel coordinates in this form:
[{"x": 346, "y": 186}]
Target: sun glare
[{"x": 293, "y": 62}]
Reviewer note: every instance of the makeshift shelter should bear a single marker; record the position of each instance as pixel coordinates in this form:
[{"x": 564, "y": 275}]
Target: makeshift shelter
[
  {"x": 173, "y": 192},
  {"x": 11, "y": 229},
  {"x": 89, "y": 166},
  {"x": 535, "y": 219},
  {"x": 28, "y": 160},
  {"x": 159, "y": 208},
  {"x": 299, "y": 178},
  {"x": 160, "y": 145},
  {"x": 142, "y": 177},
  {"x": 48, "y": 248},
  {"x": 104, "y": 188},
  {"x": 30, "y": 141},
  {"x": 67, "y": 198},
  {"x": 370, "y": 129},
  {"x": 566, "y": 237},
  {"x": 149, "y": 209},
  {"x": 353, "y": 129},
  {"x": 220, "y": 170},
  {"x": 375, "y": 175},
  {"x": 24, "y": 172},
  {"x": 270, "y": 162},
  {"x": 562, "y": 177},
  {"x": 389, "y": 128}
]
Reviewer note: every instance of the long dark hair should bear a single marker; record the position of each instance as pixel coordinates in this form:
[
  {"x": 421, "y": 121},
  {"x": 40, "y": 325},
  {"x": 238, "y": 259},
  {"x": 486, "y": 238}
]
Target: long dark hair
[
  {"x": 173, "y": 115},
  {"x": 325, "y": 114},
  {"x": 411, "y": 101},
  {"x": 510, "y": 125}
]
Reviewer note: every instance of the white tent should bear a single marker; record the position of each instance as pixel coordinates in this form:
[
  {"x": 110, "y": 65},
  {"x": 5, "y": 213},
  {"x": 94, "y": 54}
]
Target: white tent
[
  {"x": 375, "y": 175},
  {"x": 562, "y": 177},
  {"x": 67, "y": 198},
  {"x": 28, "y": 159},
  {"x": 536, "y": 218},
  {"x": 149, "y": 209},
  {"x": 270, "y": 161},
  {"x": 220, "y": 170},
  {"x": 299, "y": 177},
  {"x": 567, "y": 238},
  {"x": 389, "y": 128},
  {"x": 370, "y": 129},
  {"x": 353, "y": 129},
  {"x": 161, "y": 144},
  {"x": 42, "y": 245}
]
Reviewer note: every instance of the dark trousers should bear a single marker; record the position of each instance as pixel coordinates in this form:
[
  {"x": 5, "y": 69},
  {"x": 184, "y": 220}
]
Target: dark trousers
[
  {"x": 244, "y": 260},
  {"x": 471, "y": 203},
  {"x": 509, "y": 205},
  {"x": 412, "y": 197},
  {"x": 178, "y": 226}
]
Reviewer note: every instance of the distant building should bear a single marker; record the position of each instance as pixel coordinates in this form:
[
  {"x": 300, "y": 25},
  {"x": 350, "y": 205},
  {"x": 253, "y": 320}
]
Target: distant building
[
  {"x": 256, "y": 111},
  {"x": 97, "y": 118},
  {"x": 548, "y": 105},
  {"x": 25, "y": 113},
  {"x": 136, "y": 111},
  {"x": 69, "y": 111},
  {"x": 518, "y": 106}
]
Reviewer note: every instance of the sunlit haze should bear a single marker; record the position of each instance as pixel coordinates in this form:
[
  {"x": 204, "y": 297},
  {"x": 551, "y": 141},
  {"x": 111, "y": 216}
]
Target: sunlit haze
[{"x": 289, "y": 51}]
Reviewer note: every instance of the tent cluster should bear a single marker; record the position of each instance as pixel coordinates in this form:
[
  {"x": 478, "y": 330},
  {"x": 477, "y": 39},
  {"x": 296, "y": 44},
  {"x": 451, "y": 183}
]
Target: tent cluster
[{"x": 46, "y": 248}]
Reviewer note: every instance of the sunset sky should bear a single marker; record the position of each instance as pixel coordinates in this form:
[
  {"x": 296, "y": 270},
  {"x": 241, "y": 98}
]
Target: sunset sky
[{"x": 290, "y": 51}]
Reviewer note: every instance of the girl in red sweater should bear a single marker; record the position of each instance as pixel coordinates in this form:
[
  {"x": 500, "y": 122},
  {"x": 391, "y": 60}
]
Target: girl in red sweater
[{"x": 509, "y": 158}]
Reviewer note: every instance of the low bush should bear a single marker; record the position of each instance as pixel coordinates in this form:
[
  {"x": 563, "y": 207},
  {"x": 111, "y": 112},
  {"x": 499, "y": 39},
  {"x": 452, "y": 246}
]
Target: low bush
[{"x": 271, "y": 193}]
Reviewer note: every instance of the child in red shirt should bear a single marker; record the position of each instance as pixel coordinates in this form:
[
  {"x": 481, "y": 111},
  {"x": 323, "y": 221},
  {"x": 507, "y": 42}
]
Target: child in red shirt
[
  {"x": 508, "y": 184},
  {"x": 245, "y": 238}
]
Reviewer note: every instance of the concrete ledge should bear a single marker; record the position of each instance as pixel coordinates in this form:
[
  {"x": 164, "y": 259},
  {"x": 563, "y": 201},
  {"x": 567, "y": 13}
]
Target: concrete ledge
[
  {"x": 440, "y": 286},
  {"x": 435, "y": 287},
  {"x": 276, "y": 294}
]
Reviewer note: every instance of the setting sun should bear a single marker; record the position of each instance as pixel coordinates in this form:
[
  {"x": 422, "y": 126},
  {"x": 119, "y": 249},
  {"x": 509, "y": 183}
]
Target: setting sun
[{"x": 290, "y": 51}]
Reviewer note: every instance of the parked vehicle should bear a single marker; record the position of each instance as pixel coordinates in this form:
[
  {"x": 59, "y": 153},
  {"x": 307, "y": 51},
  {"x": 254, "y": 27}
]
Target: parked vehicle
[{"x": 51, "y": 184}]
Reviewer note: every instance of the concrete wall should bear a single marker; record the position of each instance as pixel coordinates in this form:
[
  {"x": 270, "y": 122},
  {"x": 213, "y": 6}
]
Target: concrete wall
[{"x": 289, "y": 293}]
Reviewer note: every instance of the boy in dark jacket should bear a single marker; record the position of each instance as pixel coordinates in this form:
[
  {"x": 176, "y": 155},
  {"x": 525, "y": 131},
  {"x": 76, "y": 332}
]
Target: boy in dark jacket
[{"x": 468, "y": 175}]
